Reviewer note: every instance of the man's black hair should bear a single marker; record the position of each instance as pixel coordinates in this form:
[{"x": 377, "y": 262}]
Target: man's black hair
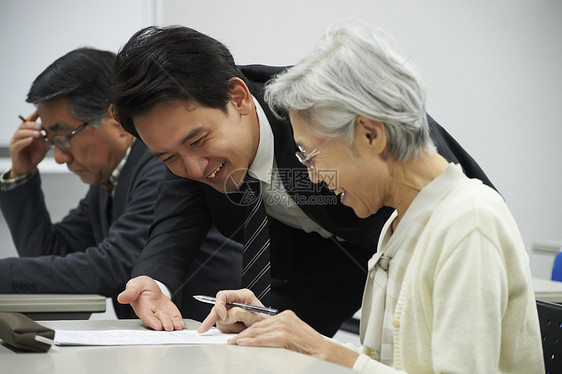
[{"x": 160, "y": 64}]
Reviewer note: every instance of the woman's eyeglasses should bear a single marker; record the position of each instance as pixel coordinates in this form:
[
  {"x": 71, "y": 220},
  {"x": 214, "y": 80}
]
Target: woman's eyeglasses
[{"x": 305, "y": 159}]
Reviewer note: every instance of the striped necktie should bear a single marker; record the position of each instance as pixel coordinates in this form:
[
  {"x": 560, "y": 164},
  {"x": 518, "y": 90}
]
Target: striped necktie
[{"x": 256, "y": 265}]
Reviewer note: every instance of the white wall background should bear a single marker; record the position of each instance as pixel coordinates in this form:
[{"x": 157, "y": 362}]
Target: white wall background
[
  {"x": 34, "y": 33},
  {"x": 492, "y": 70}
]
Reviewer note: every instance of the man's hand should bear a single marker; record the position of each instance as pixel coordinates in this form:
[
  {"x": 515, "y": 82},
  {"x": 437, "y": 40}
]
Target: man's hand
[
  {"x": 154, "y": 308},
  {"x": 27, "y": 147},
  {"x": 232, "y": 319}
]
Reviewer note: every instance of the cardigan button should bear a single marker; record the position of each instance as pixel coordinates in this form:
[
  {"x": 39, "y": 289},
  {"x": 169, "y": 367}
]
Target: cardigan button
[{"x": 396, "y": 322}]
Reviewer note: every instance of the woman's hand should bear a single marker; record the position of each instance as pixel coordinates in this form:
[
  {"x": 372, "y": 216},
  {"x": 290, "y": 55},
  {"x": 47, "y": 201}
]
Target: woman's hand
[
  {"x": 286, "y": 330},
  {"x": 232, "y": 319}
]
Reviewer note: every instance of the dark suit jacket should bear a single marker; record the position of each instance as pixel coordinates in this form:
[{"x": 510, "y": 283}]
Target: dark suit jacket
[
  {"x": 93, "y": 248},
  {"x": 322, "y": 280}
]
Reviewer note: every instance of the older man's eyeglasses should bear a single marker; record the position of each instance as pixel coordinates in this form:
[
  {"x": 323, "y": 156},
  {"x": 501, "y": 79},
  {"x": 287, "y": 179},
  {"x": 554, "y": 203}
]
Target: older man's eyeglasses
[
  {"x": 63, "y": 141},
  {"x": 306, "y": 159}
]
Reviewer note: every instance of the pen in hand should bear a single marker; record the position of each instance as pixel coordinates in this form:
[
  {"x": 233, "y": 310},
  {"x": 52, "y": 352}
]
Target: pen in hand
[
  {"x": 21, "y": 117},
  {"x": 251, "y": 308}
]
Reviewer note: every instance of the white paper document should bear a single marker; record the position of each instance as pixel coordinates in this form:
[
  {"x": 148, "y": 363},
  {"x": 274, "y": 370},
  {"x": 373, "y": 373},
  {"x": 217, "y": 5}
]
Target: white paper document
[{"x": 136, "y": 337}]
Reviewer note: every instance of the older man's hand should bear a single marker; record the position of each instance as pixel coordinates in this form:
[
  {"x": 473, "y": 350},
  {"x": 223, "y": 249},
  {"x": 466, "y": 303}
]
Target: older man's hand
[{"x": 27, "y": 147}]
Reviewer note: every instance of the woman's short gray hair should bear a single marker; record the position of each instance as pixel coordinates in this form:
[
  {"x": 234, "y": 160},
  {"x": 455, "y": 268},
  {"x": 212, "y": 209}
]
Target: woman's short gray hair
[{"x": 353, "y": 72}]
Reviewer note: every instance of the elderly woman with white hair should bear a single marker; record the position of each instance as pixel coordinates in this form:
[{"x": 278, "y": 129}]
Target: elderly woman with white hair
[{"x": 449, "y": 289}]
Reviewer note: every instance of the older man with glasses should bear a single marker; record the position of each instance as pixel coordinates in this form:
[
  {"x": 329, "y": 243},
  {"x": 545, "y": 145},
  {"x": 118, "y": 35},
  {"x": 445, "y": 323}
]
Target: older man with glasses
[{"x": 93, "y": 248}]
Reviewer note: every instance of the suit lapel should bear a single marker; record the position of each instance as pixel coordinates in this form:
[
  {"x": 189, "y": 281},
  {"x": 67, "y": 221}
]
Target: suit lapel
[
  {"x": 336, "y": 218},
  {"x": 122, "y": 188}
]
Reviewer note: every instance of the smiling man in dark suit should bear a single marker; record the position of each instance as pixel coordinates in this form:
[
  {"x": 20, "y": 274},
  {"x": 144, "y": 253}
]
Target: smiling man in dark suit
[{"x": 181, "y": 93}]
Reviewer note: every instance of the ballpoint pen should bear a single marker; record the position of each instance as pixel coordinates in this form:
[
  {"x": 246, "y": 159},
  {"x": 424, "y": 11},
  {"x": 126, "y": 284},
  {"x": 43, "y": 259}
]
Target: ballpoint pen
[{"x": 251, "y": 308}]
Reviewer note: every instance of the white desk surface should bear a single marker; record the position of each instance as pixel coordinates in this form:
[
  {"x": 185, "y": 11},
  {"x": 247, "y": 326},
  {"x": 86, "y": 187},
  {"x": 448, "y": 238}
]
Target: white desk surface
[
  {"x": 42, "y": 307},
  {"x": 167, "y": 359},
  {"x": 547, "y": 290},
  {"x": 43, "y": 303}
]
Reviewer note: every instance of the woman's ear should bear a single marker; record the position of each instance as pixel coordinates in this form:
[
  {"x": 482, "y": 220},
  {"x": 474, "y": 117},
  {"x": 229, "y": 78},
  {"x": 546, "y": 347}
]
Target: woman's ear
[
  {"x": 240, "y": 96},
  {"x": 370, "y": 134}
]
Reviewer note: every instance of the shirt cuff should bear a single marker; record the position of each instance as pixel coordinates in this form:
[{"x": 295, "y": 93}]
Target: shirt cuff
[
  {"x": 165, "y": 290},
  {"x": 7, "y": 183},
  {"x": 365, "y": 364}
]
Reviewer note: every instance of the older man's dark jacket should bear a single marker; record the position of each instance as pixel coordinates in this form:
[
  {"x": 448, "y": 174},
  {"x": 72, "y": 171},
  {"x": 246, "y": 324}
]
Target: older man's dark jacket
[{"x": 93, "y": 248}]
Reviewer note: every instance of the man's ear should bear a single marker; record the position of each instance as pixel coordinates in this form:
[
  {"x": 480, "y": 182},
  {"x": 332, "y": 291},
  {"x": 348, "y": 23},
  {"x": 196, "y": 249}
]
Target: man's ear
[
  {"x": 109, "y": 117},
  {"x": 240, "y": 96},
  {"x": 111, "y": 112},
  {"x": 371, "y": 134},
  {"x": 120, "y": 129}
]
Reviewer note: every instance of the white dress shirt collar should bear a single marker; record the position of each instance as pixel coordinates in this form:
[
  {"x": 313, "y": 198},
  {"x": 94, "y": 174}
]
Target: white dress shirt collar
[{"x": 263, "y": 161}]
